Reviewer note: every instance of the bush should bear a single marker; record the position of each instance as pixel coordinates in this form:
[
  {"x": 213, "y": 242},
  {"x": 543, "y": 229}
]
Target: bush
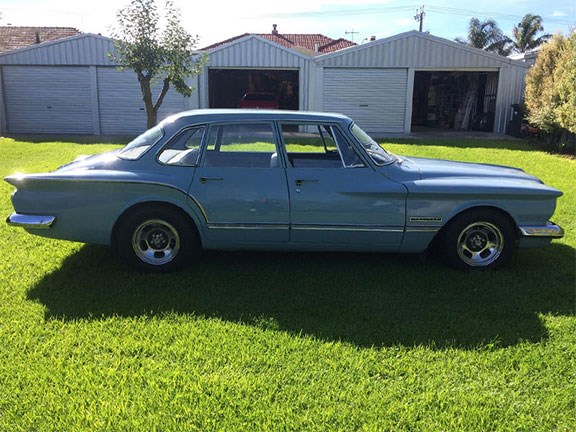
[{"x": 551, "y": 93}]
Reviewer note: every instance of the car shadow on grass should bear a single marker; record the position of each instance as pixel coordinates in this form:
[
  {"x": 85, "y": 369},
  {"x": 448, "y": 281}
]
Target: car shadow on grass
[{"x": 363, "y": 299}]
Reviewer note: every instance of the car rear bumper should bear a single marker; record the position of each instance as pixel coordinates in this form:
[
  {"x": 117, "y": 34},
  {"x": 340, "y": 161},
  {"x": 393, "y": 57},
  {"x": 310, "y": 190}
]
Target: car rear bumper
[
  {"x": 550, "y": 230},
  {"x": 30, "y": 221}
]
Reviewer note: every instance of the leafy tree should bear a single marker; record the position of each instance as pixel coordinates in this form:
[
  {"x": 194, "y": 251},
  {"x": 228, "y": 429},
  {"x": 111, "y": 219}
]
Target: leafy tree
[
  {"x": 157, "y": 55},
  {"x": 541, "y": 95},
  {"x": 551, "y": 91},
  {"x": 565, "y": 80},
  {"x": 486, "y": 35},
  {"x": 525, "y": 33}
]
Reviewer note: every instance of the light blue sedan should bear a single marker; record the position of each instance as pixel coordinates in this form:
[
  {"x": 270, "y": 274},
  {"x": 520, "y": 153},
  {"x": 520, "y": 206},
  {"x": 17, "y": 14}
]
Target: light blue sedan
[{"x": 278, "y": 180}]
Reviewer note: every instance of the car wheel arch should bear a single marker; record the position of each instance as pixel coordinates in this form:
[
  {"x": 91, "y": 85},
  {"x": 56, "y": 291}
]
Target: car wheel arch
[
  {"x": 469, "y": 210},
  {"x": 156, "y": 205}
]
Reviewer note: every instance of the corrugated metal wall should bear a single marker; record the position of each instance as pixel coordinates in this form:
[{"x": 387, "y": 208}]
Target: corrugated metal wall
[
  {"x": 84, "y": 91},
  {"x": 421, "y": 51},
  {"x": 85, "y": 50},
  {"x": 410, "y": 51},
  {"x": 417, "y": 51},
  {"x": 254, "y": 52},
  {"x": 511, "y": 84}
]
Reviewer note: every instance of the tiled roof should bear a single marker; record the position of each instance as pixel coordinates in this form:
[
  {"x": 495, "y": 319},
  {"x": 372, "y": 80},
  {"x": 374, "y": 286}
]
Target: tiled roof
[
  {"x": 312, "y": 42},
  {"x": 13, "y": 37}
]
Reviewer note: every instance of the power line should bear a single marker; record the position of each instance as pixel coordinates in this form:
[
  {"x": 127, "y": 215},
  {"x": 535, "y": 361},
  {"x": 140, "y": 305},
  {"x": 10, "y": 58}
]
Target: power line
[
  {"x": 345, "y": 12},
  {"x": 419, "y": 10},
  {"x": 509, "y": 17}
]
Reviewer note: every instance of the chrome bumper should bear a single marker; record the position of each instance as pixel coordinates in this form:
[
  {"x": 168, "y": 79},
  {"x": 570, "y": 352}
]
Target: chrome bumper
[
  {"x": 30, "y": 221},
  {"x": 550, "y": 230}
]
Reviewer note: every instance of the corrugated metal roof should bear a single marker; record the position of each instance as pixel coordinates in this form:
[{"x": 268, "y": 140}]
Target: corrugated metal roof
[{"x": 14, "y": 37}]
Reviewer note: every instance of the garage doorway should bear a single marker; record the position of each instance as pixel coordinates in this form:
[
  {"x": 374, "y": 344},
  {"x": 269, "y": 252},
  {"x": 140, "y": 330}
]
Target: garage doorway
[
  {"x": 454, "y": 100},
  {"x": 226, "y": 87}
]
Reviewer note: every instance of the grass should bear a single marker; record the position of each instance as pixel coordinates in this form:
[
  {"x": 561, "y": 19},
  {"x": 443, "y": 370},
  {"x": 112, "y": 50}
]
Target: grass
[{"x": 261, "y": 341}]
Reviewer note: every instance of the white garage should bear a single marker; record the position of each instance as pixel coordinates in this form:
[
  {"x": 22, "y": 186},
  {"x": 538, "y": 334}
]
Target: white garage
[
  {"x": 70, "y": 86},
  {"x": 394, "y": 85},
  {"x": 415, "y": 80}
]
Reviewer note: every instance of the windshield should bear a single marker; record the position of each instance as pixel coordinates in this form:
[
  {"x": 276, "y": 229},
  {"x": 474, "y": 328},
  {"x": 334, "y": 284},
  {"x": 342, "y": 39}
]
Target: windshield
[
  {"x": 376, "y": 153},
  {"x": 139, "y": 145}
]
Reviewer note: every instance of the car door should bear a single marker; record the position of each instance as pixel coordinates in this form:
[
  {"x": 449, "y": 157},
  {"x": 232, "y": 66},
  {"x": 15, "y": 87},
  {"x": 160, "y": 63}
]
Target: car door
[
  {"x": 335, "y": 197},
  {"x": 240, "y": 187}
]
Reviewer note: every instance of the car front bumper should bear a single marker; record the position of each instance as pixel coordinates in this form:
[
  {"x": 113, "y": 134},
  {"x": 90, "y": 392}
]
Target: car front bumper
[
  {"x": 30, "y": 221},
  {"x": 550, "y": 230}
]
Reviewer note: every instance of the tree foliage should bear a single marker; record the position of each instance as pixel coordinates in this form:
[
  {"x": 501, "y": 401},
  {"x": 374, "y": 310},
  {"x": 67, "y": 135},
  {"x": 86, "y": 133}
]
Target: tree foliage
[
  {"x": 162, "y": 55},
  {"x": 551, "y": 85},
  {"x": 486, "y": 35},
  {"x": 525, "y": 33},
  {"x": 551, "y": 88},
  {"x": 565, "y": 79}
]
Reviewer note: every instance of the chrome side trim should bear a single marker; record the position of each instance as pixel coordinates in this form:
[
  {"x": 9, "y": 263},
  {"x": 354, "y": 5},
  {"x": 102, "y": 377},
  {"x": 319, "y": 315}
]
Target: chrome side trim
[
  {"x": 550, "y": 230},
  {"x": 264, "y": 226},
  {"x": 239, "y": 226},
  {"x": 30, "y": 221},
  {"x": 356, "y": 228}
]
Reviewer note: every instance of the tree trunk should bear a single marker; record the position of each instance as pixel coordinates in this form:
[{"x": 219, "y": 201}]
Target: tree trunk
[{"x": 151, "y": 110}]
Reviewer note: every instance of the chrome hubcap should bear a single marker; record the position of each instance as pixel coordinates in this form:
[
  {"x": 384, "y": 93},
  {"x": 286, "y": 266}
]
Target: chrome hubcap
[
  {"x": 480, "y": 244},
  {"x": 156, "y": 242}
]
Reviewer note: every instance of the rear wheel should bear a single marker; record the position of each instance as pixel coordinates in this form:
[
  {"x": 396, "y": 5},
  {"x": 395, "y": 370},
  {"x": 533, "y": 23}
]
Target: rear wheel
[
  {"x": 157, "y": 240},
  {"x": 478, "y": 239}
]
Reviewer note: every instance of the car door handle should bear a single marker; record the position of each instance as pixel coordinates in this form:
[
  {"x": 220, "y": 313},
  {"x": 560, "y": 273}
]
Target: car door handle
[
  {"x": 300, "y": 181},
  {"x": 207, "y": 179}
]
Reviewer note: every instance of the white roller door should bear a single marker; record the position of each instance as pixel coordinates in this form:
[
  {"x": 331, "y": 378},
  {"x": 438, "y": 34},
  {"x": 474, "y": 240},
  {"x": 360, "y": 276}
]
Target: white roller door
[
  {"x": 47, "y": 99},
  {"x": 374, "y": 98},
  {"x": 121, "y": 108}
]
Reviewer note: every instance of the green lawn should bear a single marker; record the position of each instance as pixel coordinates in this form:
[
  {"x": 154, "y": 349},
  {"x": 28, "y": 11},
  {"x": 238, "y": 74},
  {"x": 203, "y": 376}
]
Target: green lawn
[{"x": 272, "y": 341}]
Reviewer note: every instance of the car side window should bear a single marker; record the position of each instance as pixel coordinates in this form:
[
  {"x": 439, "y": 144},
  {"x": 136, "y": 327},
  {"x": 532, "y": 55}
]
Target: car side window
[
  {"x": 184, "y": 149},
  {"x": 250, "y": 145},
  {"x": 318, "y": 146}
]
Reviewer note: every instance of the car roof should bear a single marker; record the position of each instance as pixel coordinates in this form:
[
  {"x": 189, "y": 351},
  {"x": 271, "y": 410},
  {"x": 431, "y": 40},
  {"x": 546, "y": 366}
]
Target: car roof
[{"x": 216, "y": 115}]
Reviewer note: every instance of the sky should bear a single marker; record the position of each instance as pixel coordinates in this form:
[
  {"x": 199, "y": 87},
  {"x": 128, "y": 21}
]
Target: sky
[{"x": 214, "y": 21}]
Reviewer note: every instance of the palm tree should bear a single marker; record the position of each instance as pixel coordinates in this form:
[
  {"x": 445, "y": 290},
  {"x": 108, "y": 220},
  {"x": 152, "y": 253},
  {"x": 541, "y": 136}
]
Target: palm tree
[
  {"x": 525, "y": 33},
  {"x": 486, "y": 35}
]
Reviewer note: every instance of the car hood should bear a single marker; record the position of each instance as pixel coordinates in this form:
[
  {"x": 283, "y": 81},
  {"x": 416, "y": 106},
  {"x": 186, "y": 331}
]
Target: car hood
[{"x": 436, "y": 168}]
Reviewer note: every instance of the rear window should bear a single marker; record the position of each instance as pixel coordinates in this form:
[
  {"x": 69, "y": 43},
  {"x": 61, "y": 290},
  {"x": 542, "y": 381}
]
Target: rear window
[{"x": 139, "y": 145}]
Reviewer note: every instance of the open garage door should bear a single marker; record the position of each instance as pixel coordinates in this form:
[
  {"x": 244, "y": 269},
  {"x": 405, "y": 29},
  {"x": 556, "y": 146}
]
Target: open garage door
[
  {"x": 459, "y": 100},
  {"x": 226, "y": 87},
  {"x": 374, "y": 98}
]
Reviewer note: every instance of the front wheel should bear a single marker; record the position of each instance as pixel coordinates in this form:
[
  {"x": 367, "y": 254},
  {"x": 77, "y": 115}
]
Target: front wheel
[
  {"x": 156, "y": 240},
  {"x": 478, "y": 239}
]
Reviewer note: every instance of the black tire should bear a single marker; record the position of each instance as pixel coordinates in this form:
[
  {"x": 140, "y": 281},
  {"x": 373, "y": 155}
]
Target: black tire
[
  {"x": 478, "y": 239},
  {"x": 156, "y": 240}
]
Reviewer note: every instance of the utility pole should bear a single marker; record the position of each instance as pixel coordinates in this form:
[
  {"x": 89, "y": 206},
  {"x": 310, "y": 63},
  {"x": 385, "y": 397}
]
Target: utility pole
[{"x": 419, "y": 17}]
